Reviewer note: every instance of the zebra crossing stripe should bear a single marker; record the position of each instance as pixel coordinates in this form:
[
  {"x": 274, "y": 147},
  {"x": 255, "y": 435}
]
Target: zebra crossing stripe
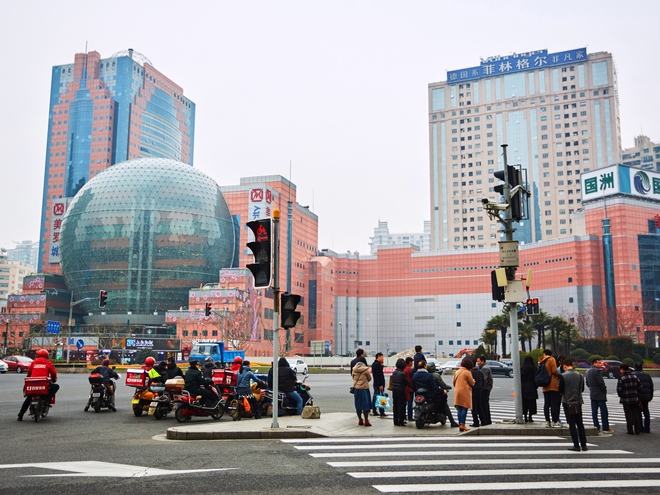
[
  {"x": 463, "y": 453},
  {"x": 567, "y": 459},
  {"x": 441, "y": 445},
  {"x": 506, "y": 487},
  {"x": 351, "y": 440},
  {"x": 501, "y": 472}
]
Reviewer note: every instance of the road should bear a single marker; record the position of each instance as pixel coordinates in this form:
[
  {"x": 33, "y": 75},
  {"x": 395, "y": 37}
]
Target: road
[{"x": 84, "y": 441}]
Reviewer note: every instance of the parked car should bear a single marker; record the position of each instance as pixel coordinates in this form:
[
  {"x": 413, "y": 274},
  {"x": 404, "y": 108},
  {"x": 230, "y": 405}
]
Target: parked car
[
  {"x": 19, "y": 364},
  {"x": 610, "y": 368},
  {"x": 500, "y": 369},
  {"x": 435, "y": 362},
  {"x": 450, "y": 366},
  {"x": 3, "y": 366},
  {"x": 298, "y": 365}
]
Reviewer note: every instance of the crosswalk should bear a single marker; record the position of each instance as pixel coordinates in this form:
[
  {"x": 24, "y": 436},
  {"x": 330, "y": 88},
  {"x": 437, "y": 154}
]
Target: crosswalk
[
  {"x": 483, "y": 464},
  {"x": 504, "y": 409}
]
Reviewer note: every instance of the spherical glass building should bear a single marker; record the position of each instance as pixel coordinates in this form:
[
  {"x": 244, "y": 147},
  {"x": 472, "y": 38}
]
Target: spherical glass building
[{"x": 146, "y": 231}]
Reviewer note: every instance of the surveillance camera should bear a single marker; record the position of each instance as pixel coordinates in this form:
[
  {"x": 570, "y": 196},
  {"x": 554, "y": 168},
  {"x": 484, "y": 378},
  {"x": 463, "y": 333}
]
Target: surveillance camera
[{"x": 489, "y": 205}]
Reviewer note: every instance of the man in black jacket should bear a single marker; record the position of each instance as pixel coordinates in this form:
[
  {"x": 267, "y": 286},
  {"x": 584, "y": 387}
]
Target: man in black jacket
[
  {"x": 286, "y": 383},
  {"x": 379, "y": 382},
  {"x": 195, "y": 383},
  {"x": 358, "y": 354},
  {"x": 418, "y": 358},
  {"x": 645, "y": 396}
]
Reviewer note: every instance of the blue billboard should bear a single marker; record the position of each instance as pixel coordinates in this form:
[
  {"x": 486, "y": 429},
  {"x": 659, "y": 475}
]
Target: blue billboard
[{"x": 517, "y": 62}]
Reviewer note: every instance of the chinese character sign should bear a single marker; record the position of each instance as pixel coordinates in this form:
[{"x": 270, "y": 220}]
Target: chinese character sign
[
  {"x": 496, "y": 66},
  {"x": 261, "y": 203},
  {"x": 618, "y": 179},
  {"x": 58, "y": 209}
]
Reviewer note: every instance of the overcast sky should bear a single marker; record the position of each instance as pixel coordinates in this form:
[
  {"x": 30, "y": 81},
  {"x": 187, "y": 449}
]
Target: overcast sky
[{"x": 336, "y": 88}]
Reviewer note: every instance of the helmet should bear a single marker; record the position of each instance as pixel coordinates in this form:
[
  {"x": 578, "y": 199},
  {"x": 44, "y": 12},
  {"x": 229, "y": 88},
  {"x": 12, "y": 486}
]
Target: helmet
[
  {"x": 106, "y": 362},
  {"x": 150, "y": 361},
  {"x": 209, "y": 359},
  {"x": 238, "y": 359},
  {"x": 42, "y": 353}
]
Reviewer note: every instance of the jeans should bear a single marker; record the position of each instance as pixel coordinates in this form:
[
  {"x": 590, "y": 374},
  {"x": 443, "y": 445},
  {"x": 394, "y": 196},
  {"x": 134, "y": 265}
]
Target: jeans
[
  {"x": 576, "y": 427},
  {"x": 461, "y": 413},
  {"x": 551, "y": 403},
  {"x": 295, "y": 397},
  {"x": 410, "y": 408},
  {"x": 602, "y": 405}
]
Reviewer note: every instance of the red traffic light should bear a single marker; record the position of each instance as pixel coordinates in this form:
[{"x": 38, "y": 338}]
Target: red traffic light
[
  {"x": 103, "y": 296},
  {"x": 207, "y": 309}
]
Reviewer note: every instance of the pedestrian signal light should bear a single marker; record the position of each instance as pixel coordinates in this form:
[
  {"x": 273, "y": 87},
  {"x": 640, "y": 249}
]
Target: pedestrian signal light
[
  {"x": 262, "y": 250},
  {"x": 207, "y": 309},
  {"x": 289, "y": 314},
  {"x": 103, "y": 297}
]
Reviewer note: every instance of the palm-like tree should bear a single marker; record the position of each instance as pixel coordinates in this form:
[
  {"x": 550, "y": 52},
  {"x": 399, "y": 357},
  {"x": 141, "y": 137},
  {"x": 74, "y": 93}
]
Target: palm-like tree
[
  {"x": 489, "y": 338},
  {"x": 501, "y": 323}
]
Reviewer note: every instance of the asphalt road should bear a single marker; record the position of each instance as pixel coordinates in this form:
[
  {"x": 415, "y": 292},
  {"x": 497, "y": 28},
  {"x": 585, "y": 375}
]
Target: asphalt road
[{"x": 81, "y": 440}]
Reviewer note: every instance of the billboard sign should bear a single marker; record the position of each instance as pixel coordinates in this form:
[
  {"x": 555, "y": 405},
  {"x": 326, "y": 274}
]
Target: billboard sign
[{"x": 618, "y": 179}]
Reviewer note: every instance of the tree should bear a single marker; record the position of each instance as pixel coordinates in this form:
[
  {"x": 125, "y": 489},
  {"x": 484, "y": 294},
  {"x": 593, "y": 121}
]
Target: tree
[
  {"x": 500, "y": 323},
  {"x": 526, "y": 332},
  {"x": 489, "y": 338}
]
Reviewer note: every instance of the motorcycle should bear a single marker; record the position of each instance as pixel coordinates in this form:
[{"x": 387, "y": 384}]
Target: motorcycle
[
  {"x": 143, "y": 395},
  {"x": 187, "y": 406},
  {"x": 427, "y": 411},
  {"x": 37, "y": 389},
  {"x": 99, "y": 396},
  {"x": 165, "y": 400},
  {"x": 285, "y": 405}
]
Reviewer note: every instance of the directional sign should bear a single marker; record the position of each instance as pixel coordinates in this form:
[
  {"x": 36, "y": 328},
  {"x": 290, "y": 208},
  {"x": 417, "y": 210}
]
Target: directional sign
[
  {"x": 80, "y": 343},
  {"x": 53, "y": 327},
  {"x": 104, "y": 469}
]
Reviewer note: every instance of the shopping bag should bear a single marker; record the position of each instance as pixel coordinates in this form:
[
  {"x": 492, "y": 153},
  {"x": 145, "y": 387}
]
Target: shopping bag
[{"x": 383, "y": 401}]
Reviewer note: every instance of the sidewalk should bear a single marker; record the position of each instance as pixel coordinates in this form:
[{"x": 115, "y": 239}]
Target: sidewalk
[{"x": 343, "y": 425}]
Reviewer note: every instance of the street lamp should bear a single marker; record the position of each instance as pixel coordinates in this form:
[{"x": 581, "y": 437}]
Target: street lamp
[
  {"x": 68, "y": 337},
  {"x": 341, "y": 340}
]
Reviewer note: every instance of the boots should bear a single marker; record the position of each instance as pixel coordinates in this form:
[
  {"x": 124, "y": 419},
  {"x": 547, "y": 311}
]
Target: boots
[{"x": 360, "y": 422}]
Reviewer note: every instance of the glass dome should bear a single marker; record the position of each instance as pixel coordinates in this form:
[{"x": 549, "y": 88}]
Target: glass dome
[{"x": 146, "y": 231}]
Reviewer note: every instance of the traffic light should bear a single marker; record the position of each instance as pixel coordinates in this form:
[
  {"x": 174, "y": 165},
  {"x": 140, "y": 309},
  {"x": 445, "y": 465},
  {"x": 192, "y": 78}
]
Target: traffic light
[
  {"x": 207, "y": 309},
  {"x": 262, "y": 249},
  {"x": 514, "y": 178},
  {"x": 498, "y": 292},
  {"x": 533, "y": 306},
  {"x": 103, "y": 297},
  {"x": 289, "y": 314}
]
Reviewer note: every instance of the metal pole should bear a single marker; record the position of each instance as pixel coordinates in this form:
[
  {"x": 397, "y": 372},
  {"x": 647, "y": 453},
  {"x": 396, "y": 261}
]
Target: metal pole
[
  {"x": 276, "y": 310},
  {"x": 68, "y": 335},
  {"x": 513, "y": 307}
]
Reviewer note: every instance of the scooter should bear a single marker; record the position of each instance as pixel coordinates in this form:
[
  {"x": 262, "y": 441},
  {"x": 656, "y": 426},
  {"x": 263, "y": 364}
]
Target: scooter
[
  {"x": 162, "y": 404},
  {"x": 427, "y": 411},
  {"x": 188, "y": 406},
  {"x": 99, "y": 396},
  {"x": 286, "y": 405},
  {"x": 37, "y": 389}
]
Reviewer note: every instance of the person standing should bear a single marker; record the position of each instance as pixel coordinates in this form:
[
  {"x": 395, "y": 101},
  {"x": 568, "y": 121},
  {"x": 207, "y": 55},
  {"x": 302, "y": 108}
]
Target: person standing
[
  {"x": 358, "y": 355},
  {"x": 551, "y": 397},
  {"x": 399, "y": 382},
  {"x": 477, "y": 389},
  {"x": 598, "y": 396},
  {"x": 485, "y": 392},
  {"x": 571, "y": 386},
  {"x": 408, "y": 370},
  {"x": 361, "y": 396},
  {"x": 418, "y": 357},
  {"x": 528, "y": 388},
  {"x": 379, "y": 382},
  {"x": 628, "y": 388},
  {"x": 463, "y": 383},
  {"x": 645, "y": 396}
]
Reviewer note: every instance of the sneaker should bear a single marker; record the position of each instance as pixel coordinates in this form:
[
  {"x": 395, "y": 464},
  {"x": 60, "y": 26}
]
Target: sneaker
[
  {"x": 20, "y": 417},
  {"x": 608, "y": 431},
  {"x": 548, "y": 424},
  {"x": 112, "y": 408},
  {"x": 556, "y": 425}
]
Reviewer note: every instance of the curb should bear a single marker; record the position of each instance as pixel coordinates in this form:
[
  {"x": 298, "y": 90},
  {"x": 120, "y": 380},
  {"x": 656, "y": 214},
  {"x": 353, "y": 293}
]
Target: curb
[{"x": 265, "y": 434}]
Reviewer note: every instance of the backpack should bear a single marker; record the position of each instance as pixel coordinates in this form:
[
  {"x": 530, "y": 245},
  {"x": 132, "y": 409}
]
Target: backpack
[{"x": 542, "y": 378}]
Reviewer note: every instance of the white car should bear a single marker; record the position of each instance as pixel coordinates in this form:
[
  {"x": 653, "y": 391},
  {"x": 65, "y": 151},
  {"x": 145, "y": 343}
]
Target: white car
[
  {"x": 297, "y": 365},
  {"x": 451, "y": 366},
  {"x": 3, "y": 366}
]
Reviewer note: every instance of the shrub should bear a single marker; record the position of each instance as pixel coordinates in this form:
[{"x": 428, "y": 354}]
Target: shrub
[
  {"x": 630, "y": 362},
  {"x": 637, "y": 358},
  {"x": 612, "y": 357},
  {"x": 581, "y": 353},
  {"x": 656, "y": 359}
]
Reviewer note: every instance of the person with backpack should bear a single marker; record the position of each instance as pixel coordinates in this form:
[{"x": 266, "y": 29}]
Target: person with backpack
[
  {"x": 645, "y": 396},
  {"x": 547, "y": 376}
]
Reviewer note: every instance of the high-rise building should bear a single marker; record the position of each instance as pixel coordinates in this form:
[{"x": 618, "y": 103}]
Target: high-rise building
[
  {"x": 102, "y": 112},
  {"x": 558, "y": 114},
  {"x": 26, "y": 253},
  {"x": 645, "y": 154},
  {"x": 384, "y": 238},
  {"x": 12, "y": 274}
]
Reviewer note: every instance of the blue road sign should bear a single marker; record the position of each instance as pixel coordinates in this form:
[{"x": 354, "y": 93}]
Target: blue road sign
[
  {"x": 53, "y": 327},
  {"x": 80, "y": 343}
]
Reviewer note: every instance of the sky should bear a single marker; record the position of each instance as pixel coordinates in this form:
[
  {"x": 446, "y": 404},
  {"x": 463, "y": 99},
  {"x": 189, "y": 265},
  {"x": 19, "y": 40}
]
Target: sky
[{"x": 331, "y": 94}]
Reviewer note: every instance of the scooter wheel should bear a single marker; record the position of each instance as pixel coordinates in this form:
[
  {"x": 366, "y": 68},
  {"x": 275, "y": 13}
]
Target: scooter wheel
[
  {"x": 219, "y": 413},
  {"x": 419, "y": 422},
  {"x": 158, "y": 414},
  {"x": 137, "y": 410},
  {"x": 180, "y": 415},
  {"x": 97, "y": 406}
]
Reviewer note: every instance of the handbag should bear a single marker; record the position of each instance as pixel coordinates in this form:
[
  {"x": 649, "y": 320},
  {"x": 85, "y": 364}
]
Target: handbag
[
  {"x": 351, "y": 390},
  {"x": 382, "y": 401},
  {"x": 389, "y": 384},
  {"x": 573, "y": 407}
]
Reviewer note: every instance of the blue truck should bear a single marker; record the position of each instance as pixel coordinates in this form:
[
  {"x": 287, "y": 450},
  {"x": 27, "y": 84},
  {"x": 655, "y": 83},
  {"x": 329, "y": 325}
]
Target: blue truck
[{"x": 201, "y": 349}]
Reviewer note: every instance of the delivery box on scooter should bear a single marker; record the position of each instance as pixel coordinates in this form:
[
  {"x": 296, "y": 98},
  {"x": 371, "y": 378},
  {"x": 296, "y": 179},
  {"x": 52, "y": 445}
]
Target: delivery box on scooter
[
  {"x": 175, "y": 384},
  {"x": 136, "y": 377},
  {"x": 36, "y": 386},
  {"x": 224, "y": 378}
]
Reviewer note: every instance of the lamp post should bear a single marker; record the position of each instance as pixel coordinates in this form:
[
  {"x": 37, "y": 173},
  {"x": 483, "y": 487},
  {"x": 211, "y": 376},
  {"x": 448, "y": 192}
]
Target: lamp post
[
  {"x": 341, "y": 340},
  {"x": 68, "y": 337}
]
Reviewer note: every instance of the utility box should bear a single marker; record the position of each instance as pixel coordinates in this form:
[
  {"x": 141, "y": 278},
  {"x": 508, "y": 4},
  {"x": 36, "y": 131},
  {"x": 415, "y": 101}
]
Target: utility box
[{"x": 513, "y": 292}]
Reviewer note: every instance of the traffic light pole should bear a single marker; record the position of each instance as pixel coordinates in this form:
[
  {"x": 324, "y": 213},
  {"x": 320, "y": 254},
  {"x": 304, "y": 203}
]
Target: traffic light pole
[
  {"x": 276, "y": 310},
  {"x": 513, "y": 307}
]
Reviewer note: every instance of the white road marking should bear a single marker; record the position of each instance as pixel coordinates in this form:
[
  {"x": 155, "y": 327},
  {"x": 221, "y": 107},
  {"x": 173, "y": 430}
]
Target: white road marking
[
  {"x": 509, "y": 486},
  {"x": 429, "y": 445},
  {"x": 480, "y": 438},
  {"x": 466, "y": 453},
  {"x": 499, "y": 472},
  {"x": 581, "y": 459},
  {"x": 98, "y": 469}
]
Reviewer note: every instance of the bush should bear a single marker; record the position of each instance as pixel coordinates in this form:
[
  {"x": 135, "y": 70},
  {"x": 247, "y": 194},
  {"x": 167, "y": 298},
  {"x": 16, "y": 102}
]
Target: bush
[
  {"x": 591, "y": 358},
  {"x": 656, "y": 359},
  {"x": 630, "y": 363},
  {"x": 581, "y": 353},
  {"x": 637, "y": 358},
  {"x": 621, "y": 346},
  {"x": 536, "y": 354},
  {"x": 612, "y": 357}
]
